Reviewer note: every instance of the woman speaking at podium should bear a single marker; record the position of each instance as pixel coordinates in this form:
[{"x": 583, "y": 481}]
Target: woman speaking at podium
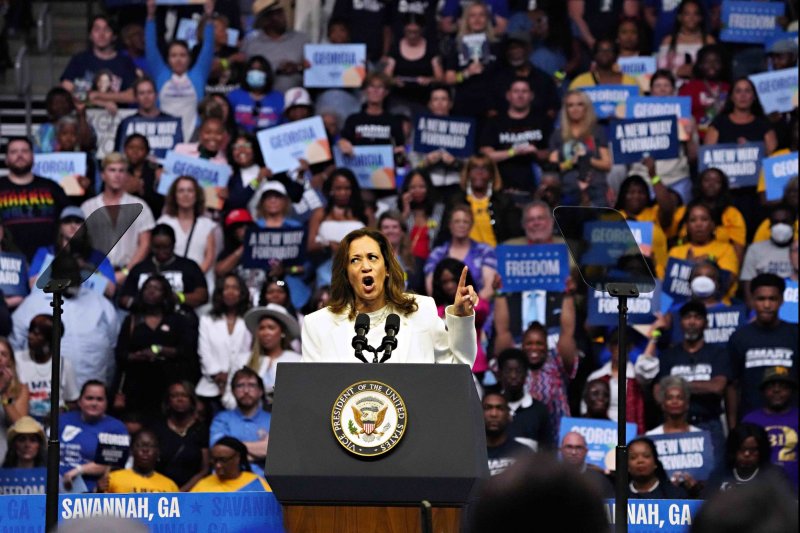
[{"x": 367, "y": 278}]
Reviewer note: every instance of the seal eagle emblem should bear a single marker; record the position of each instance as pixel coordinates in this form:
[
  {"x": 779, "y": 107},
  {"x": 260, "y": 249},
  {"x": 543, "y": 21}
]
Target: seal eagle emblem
[{"x": 369, "y": 418}]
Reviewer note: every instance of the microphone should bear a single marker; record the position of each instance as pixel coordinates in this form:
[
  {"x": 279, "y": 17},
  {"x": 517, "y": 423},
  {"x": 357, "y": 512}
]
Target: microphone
[
  {"x": 389, "y": 342},
  {"x": 360, "y": 340}
]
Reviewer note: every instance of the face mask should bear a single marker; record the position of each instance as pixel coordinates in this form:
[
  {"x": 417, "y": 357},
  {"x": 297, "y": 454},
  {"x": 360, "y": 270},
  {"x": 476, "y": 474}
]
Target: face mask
[
  {"x": 703, "y": 286},
  {"x": 692, "y": 336},
  {"x": 256, "y": 78},
  {"x": 781, "y": 233}
]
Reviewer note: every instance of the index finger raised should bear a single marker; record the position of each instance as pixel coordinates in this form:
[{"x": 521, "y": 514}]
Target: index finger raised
[{"x": 463, "y": 279}]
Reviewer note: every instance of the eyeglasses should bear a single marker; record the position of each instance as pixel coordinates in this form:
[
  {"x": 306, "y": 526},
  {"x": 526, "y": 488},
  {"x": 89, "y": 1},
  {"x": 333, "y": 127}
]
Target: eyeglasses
[{"x": 222, "y": 460}]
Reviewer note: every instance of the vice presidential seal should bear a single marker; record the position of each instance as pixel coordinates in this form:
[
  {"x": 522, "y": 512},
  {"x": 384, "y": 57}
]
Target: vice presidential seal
[{"x": 369, "y": 418}]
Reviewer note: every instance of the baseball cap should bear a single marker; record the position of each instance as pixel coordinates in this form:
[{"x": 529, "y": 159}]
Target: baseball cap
[{"x": 238, "y": 216}]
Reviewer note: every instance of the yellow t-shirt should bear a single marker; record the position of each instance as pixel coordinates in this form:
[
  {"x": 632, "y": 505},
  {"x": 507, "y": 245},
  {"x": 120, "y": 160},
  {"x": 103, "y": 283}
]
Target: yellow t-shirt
[
  {"x": 763, "y": 231},
  {"x": 587, "y": 80},
  {"x": 246, "y": 482},
  {"x": 482, "y": 230},
  {"x": 125, "y": 481},
  {"x": 733, "y": 226},
  {"x": 659, "y": 252},
  {"x": 721, "y": 253}
]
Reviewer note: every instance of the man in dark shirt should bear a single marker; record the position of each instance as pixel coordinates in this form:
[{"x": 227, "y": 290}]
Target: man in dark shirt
[
  {"x": 501, "y": 448},
  {"x": 29, "y": 205},
  {"x": 704, "y": 366},
  {"x": 516, "y": 141},
  {"x": 766, "y": 342},
  {"x": 530, "y": 420},
  {"x": 373, "y": 124}
]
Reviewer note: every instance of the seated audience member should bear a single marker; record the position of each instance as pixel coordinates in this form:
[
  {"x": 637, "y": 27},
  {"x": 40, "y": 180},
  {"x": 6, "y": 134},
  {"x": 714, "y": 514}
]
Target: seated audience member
[
  {"x": 79, "y": 187},
  {"x": 256, "y": 105},
  {"x": 212, "y": 139},
  {"x": 779, "y": 418},
  {"x": 134, "y": 244},
  {"x": 249, "y": 172},
  {"x": 604, "y": 70},
  {"x": 155, "y": 347},
  {"x": 573, "y": 452},
  {"x": 502, "y": 449},
  {"x": 59, "y": 103},
  {"x": 771, "y": 255},
  {"x": 530, "y": 424},
  {"x": 148, "y": 113},
  {"x": 673, "y": 396},
  {"x": 596, "y": 397},
  {"x": 141, "y": 177},
  {"x": 231, "y": 470},
  {"x": 758, "y": 345},
  {"x": 247, "y": 421},
  {"x": 13, "y": 393},
  {"x": 648, "y": 479},
  {"x": 142, "y": 476},
  {"x": 35, "y": 371},
  {"x": 79, "y": 434},
  {"x": 185, "y": 278},
  {"x": 237, "y": 223},
  {"x": 26, "y": 445},
  {"x": 273, "y": 329},
  {"x": 182, "y": 437}
]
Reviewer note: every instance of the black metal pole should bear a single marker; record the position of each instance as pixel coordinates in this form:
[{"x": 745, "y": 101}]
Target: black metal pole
[
  {"x": 53, "y": 445},
  {"x": 621, "y": 496}
]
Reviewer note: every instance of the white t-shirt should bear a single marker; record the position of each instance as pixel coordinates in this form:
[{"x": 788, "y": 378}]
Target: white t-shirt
[
  {"x": 197, "y": 247},
  {"x": 123, "y": 251},
  {"x": 37, "y": 377}
]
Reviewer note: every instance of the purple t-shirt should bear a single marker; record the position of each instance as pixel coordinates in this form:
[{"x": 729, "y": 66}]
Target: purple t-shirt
[{"x": 782, "y": 430}]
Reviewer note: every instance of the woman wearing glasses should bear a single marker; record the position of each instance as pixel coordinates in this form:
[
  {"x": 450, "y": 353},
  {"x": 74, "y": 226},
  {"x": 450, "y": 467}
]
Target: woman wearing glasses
[{"x": 231, "y": 470}]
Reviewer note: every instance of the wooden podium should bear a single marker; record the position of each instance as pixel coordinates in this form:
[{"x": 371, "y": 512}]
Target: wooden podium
[{"x": 324, "y": 488}]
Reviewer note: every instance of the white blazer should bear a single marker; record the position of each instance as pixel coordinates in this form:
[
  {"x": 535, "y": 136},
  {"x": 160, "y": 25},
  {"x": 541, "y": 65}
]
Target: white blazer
[
  {"x": 422, "y": 338},
  {"x": 220, "y": 351}
]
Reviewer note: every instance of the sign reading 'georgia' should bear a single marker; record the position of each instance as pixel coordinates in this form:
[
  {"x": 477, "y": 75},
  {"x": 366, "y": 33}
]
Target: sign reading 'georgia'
[{"x": 369, "y": 418}]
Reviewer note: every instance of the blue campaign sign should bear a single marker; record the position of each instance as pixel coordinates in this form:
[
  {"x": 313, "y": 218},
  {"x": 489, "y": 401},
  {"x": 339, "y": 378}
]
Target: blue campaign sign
[
  {"x": 788, "y": 311},
  {"x": 455, "y": 135},
  {"x": 633, "y": 139},
  {"x": 373, "y": 165},
  {"x": 610, "y": 240},
  {"x": 741, "y": 162},
  {"x": 648, "y": 516},
  {"x": 162, "y": 133},
  {"x": 229, "y": 511},
  {"x": 780, "y": 36},
  {"x": 601, "y": 438},
  {"x": 537, "y": 266},
  {"x": 691, "y": 453},
  {"x": 637, "y": 65},
  {"x": 606, "y": 98},
  {"x": 658, "y": 106},
  {"x": 778, "y": 171},
  {"x": 262, "y": 245},
  {"x": 23, "y": 480},
  {"x": 777, "y": 90},
  {"x": 335, "y": 65},
  {"x": 722, "y": 319},
  {"x": 602, "y": 308},
  {"x": 283, "y": 146},
  {"x": 676, "y": 279},
  {"x": 13, "y": 274},
  {"x": 62, "y": 167},
  {"x": 749, "y": 22},
  {"x": 206, "y": 173}
]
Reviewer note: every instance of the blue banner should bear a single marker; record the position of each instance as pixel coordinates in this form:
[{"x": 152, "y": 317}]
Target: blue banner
[
  {"x": 23, "y": 480},
  {"x": 602, "y": 308},
  {"x": 455, "y": 135},
  {"x": 537, "y": 266},
  {"x": 741, "y": 162},
  {"x": 648, "y": 516},
  {"x": 601, "y": 438},
  {"x": 162, "y": 133},
  {"x": 262, "y": 245},
  {"x": 62, "y": 167},
  {"x": 607, "y": 98},
  {"x": 722, "y": 322},
  {"x": 778, "y": 171},
  {"x": 611, "y": 240},
  {"x": 210, "y": 176},
  {"x": 749, "y": 22},
  {"x": 373, "y": 165},
  {"x": 212, "y": 512},
  {"x": 676, "y": 279},
  {"x": 777, "y": 90},
  {"x": 637, "y": 65},
  {"x": 634, "y": 139},
  {"x": 658, "y": 106},
  {"x": 335, "y": 65},
  {"x": 788, "y": 310},
  {"x": 283, "y": 146},
  {"x": 691, "y": 453},
  {"x": 13, "y": 274}
]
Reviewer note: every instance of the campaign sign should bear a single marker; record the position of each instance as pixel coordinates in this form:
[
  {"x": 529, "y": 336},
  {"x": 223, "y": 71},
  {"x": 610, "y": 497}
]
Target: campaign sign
[
  {"x": 606, "y": 98},
  {"x": 373, "y": 165},
  {"x": 23, "y": 480},
  {"x": 749, "y": 22},
  {"x": 691, "y": 453},
  {"x": 637, "y": 65},
  {"x": 536, "y": 266},
  {"x": 676, "y": 279},
  {"x": 177, "y": 511},
  {"x": 13, "y": 274},
  {"x": 210, "y": 176},
  {"x": 475, "y": 47},
  {"x": 262, "y": 245},
  {"x": 723, "y": 320},
  {"x": 105, "y": 127},
  {"x": 777, "y": 90},
  {"x": 643, "y": 235},
  {"x": 658, "y": 106},
  {"x": 112, "y": 449},
  {"x": 602, "y": 308},
  {"x": 778, "y": 171},
  {"x": 454, "y": 135},
  {"x": 335, "y": 65},
  {"x": 788, "y": 311},
  {"x": 649, "y": 516},
  {"x": 187, "y": 31},
  {"x": 780, "y": 36},
  {"x": 62, "y": 167},
  {"x": 741, "y": 162},
  {"x": 284, "y": 145},
  {"x": 634, "y": 139},
  {"x": 162, "y": 133},
  {"x": 609, "y": 241},
  {"x": 601, "y": 438}
]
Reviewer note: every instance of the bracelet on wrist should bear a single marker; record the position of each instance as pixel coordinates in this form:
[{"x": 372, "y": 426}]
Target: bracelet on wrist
[{"x": 655, "y": 180}]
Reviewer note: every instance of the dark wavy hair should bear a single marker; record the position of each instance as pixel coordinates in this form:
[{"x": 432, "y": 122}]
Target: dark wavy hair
[
  {"x": 261, "y": 61},
  {"x": 741, "y": 433},
  {"x": 188, "y": 386},
  {"x": 343, "y": 298},
  {"x": 660, "y": 473},
  {"x": 724, "y": 72},
  {"x": 258, "y": 158},
  {"x": 356, "y": 204},
  {"x": 719, "y": 202},
  {"x": 171, "y": 201},
  {"x": 676, "y": 27},
  {"x": 12, "y": 459},
  {"x": 217, "y": 304},
  {"x": 281, "y": 283},
  {"x": 756, "y": 108},
  {"x": 167, "y": 304},
  {"x": 430, "y": 195},
  {"x": 454, "y": 266},
  {"x": 697, "y": 202},
  {"x": 629, "y": 182}
]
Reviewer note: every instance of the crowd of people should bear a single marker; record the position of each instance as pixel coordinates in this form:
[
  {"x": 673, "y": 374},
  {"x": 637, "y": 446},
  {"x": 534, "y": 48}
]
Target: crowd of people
[{"x": 170, "y": 349}]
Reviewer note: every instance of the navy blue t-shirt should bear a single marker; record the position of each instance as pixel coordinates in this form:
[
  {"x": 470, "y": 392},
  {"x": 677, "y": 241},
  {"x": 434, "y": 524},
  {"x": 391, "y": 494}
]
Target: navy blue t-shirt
[
  {"x": 708, "y": 362},
  {"x": 85, "y": 67}
]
